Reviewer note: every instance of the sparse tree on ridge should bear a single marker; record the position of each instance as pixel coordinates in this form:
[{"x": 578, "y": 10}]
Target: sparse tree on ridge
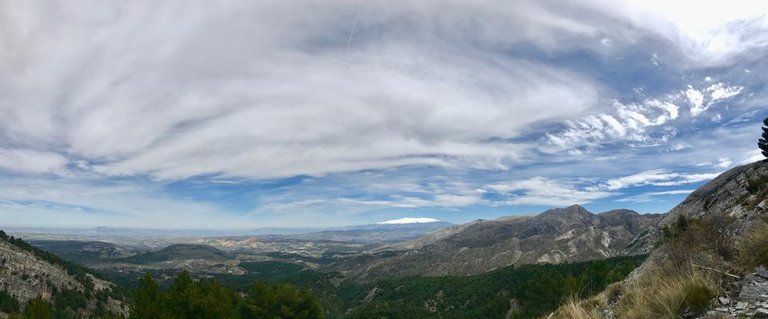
[{"x": 763, "y": 143}]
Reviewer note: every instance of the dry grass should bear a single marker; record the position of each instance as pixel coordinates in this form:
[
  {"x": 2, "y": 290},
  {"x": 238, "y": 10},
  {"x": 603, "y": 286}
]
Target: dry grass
[
  {"x": 613, "y": 292},
  {"x": 753, "y": 249},
  {"x": 662, "y": 294},
  {"x": 671, "y": 285},
  {"x": 574, "y": 309},
  {"x": 668, "y": 296}
]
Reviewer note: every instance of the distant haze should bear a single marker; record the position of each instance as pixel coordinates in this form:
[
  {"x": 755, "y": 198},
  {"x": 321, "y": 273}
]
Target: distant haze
[{"x": 409, "y": 220}]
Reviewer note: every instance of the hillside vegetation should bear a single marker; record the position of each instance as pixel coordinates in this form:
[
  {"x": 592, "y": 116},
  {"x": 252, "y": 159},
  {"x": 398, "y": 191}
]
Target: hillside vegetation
[
  {"x": 706, "y": 247},
  {"x": 180, "y": 251},
  {"x": 207, "y": 298},
  {"x": 527, "y": 291}
]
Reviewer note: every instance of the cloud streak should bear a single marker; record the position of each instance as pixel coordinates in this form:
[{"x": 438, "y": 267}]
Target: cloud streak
[
  {"x": 653, "y": 178},
  {"x": 542, "y": 191},
  {"x": 652, "y": 196}
]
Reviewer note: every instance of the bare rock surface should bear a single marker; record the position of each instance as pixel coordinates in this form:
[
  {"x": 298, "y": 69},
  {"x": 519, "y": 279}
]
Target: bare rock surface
[
  {"x": 25, "y": 275},
  {"x": 748, "y": 298},
  {"x": 727, "y": 196}
]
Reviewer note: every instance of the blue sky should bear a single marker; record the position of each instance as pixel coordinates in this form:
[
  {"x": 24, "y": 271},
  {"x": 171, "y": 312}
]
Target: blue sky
[{"x": 243, "y": 114}]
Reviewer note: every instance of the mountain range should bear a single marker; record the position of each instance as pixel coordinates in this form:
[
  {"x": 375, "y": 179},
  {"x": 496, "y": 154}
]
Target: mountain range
[{"x": 559, "y": 235}]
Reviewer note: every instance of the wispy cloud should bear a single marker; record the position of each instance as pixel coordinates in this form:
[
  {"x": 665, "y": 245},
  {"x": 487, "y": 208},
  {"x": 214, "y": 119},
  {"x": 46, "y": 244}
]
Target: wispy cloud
[
  {"x": 543, "y": 191},
  {"x": 32, "y": 161},
  {"x": 652, "y": 196},
  {"x": 701, "y": 100},
  {"x": 651, "y": 122},
  {"x": 655, "y": 178}
]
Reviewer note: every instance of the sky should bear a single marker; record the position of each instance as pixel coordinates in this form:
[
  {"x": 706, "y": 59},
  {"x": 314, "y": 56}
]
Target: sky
[{"x": 245, "y": 114}]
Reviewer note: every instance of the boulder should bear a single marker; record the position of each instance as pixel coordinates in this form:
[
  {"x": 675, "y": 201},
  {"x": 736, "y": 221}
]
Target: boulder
[{"x": 753, "y": 288}]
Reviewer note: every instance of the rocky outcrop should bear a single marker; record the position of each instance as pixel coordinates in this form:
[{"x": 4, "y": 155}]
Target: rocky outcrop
[
  {"x": 559, "y": 235},
  {"x": 746, "y": 298},
  {"x": 738, "y": 197},
  {"x": 25, "y": 275},
  {"x": 700, "y": 248}
]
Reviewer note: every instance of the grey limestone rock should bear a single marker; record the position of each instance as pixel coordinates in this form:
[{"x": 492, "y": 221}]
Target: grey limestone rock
[{"x": 753, "y": 288}]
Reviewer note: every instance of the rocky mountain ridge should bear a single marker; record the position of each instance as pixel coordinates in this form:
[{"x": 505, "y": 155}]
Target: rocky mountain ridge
[
  {"x": 737, "y": 195},
  {"x": 557, "y": 235},
  {"x": 707, "y": 257},
  {"x": 27, "y": 273}
]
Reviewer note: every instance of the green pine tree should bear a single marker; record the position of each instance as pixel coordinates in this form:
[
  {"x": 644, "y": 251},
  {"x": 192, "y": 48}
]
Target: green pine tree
[
  {"x": 763, "y": 142},
  {"x": 148, "y": 301},
  {"x": 38, "y": 309}
]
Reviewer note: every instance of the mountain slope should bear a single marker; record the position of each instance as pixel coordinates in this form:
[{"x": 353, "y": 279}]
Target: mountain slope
[
  {"x": 738, "y": 195},
  {"x": 558, "y": 235},
  {"x": 704, "y": 257},
  {"x": 27, "y": 272}
]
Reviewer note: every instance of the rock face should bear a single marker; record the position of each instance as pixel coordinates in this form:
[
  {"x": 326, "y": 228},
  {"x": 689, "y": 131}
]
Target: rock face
[
  {"x": 735, "y": 194},
  {"x": 558, "y": 235},
  {"x": 26, "y": 275},
  {"x": 738, "y": 199}
]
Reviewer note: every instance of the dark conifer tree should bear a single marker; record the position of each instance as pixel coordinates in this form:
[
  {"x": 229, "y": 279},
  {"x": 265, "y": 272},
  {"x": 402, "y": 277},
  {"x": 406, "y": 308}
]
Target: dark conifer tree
[{"x": 763, "y": 143}]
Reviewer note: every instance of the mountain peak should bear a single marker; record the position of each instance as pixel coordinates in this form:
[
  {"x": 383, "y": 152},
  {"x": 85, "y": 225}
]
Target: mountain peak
[
  {"x": 619, "y": 212},
  {"x": 570, "y": 211},
  {"x": 557, "y": 235}
]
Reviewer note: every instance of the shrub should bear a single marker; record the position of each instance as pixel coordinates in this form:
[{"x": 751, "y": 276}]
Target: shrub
[
  {"x": 699, "y": 241},
  {"x": 8, "y": 303},
  {"x": 699, "y": 294},
  {"x": 613, "y": 292},
  {"x": 756, "y": 185},
  {"x": 680, "y": 226},
  {"x": 38, "y": 308},
  {"x": 753, "y": 250}
]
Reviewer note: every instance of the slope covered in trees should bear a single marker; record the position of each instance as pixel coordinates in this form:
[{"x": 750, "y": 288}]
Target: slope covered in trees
[
  {"x": 528, "y": 291},
  {"x": 207, "y": 298}
]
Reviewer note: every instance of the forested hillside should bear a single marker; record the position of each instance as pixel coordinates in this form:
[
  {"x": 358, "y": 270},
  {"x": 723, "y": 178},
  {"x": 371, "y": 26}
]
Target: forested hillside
[
  {"x": 527, "y": 291},
  {"x": 207, "y": 298}
]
